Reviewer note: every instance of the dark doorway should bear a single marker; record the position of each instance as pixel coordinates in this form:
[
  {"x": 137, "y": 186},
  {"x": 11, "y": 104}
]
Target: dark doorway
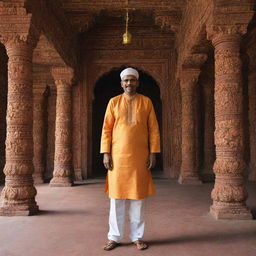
[
  {"x": 3, "y": 108},
  {"x": 108, "y": 86}
]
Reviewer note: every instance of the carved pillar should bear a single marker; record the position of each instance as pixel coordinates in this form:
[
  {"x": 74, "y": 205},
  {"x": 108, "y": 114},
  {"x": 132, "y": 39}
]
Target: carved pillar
[
  {"x": 188, "y": 172},
  {"x": 51, "y": 121},
  {"x": 229, "y": 193},
  {"x": 209, "y": 148},
  {"x": 39, "y": 133},
  {"x": 62, "y": 175},
  {"x": 18, "y": 195}
]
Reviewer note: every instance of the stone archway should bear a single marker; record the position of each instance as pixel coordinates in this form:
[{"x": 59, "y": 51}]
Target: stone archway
[{"x": 108, "y": 86}]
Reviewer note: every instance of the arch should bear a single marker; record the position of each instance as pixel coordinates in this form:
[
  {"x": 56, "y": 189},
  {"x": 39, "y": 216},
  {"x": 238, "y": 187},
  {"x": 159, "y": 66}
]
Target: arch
[{"x": 108, "y": 86}]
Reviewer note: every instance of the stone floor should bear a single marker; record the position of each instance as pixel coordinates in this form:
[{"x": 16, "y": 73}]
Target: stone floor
[{"x": 73, "y": 222}]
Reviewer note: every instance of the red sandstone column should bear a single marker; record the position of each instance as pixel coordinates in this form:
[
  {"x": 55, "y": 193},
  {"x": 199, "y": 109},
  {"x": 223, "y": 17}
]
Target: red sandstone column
[
  {"x": 62, "y": 175},
  {"x": 229, "y": 194},
  {"x": 51, "y": 119},
  {"x": 209, "y": 148},
  {"x": 188, "y": 172},
  {"x": 38, "y": 133},
  {"x": 18, "y": 195}
]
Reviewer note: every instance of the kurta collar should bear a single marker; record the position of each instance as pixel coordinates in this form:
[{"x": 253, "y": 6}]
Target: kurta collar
[{"x": 130, "y": 97}]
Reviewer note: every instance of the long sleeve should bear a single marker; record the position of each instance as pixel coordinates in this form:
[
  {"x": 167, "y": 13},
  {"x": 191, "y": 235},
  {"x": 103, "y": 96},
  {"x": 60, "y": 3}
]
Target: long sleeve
[
  {"x": 106, "y": 136},
  {"x": 154, "y": 136}
]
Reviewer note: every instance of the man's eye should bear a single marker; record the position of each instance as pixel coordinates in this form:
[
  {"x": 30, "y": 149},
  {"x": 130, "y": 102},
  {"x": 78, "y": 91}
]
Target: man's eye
[{"x": 131, "y": 80}]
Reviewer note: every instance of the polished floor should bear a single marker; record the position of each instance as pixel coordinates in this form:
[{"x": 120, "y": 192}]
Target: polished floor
[{"x": 73, "y": 222}]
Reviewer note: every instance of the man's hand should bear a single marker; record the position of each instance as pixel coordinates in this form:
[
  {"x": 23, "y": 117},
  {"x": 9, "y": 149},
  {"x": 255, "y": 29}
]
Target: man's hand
[
  {"x": 107, "y": 161},
  {"x": 151, "y": 161}
]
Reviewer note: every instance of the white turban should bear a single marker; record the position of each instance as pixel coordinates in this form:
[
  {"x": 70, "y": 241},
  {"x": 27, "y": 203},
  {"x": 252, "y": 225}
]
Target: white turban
[{"x": 129, "y": 71}]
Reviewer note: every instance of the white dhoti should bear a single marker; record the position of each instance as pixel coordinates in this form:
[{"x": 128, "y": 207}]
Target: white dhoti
[{"x": 117, "y": 219}]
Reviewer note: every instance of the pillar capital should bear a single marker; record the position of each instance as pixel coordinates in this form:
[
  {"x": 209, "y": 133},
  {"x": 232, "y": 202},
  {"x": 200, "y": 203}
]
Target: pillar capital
[
  {"x": 17, "y": 26},
  {"x": 189, "y": 78},
  {"x": 62, "y": 76},
  {"x": 225, "y": 33}
]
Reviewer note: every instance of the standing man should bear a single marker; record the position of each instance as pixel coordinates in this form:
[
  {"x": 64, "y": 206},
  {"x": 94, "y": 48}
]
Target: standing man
[{"x": 130, "y": 139}]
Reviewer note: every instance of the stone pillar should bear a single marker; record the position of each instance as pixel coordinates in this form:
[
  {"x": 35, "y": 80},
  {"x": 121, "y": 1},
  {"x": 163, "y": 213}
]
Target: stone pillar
[
  {"x": 62, "y": 174},
  {"x": 18, "y": 195},
  {"x": 209, "y": 148},
  {"x": 188, "y": 172},
  {"x": 51, "y": 121},
  {"x": 229, "y": 194},
  {"x": 39, "y": 133}
]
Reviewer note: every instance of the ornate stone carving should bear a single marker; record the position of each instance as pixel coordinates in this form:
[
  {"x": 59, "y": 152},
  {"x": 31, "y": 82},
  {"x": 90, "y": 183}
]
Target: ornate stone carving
[
  {"x": 38, "y": 133},
  {"x": 188, "y": 173},
  {"x": 229, "y": 193},
  {"x": 62, "y": 175},
  {"x": 168, "y": 20},
  {"x": 18, "y": 195}
]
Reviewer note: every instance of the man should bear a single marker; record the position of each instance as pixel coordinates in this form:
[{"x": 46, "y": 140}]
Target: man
[{"x": 130, "y": 139}]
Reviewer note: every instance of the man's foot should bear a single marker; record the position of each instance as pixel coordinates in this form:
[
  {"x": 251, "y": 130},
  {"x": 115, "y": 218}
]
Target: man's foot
[
  {"x": 141, "y": 245},
  {"x": 110, "y": 245}
]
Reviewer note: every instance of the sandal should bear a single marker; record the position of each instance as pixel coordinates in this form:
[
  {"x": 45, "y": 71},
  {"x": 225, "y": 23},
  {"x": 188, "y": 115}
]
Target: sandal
[
  {"x": 110, "y": 245},
  {"x": 141, "y": 245}
]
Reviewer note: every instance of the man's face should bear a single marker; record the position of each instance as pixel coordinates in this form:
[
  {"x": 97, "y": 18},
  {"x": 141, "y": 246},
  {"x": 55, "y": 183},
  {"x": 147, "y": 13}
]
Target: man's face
[{"x": 129, "y": 84}]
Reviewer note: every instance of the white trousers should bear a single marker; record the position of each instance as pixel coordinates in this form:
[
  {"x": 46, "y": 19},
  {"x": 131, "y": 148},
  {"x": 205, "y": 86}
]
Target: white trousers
[{"x": 117, "y": 219}]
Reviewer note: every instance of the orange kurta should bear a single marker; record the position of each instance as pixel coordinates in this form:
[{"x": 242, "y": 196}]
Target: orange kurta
[{"x": 130, "y": 131}]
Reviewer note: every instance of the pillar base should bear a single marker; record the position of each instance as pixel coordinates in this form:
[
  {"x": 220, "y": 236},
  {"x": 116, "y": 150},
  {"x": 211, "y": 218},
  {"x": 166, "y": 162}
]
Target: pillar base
[
  {"x": 19, "y": 211},
  {"x": 233, "y": 212},
  {"x": 61, "y": 182},
  {"x": 189, "y": 181}
]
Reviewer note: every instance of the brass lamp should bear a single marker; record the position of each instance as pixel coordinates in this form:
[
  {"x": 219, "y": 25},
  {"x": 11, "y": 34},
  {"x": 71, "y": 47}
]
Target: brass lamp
[{"x": 127, "y": 37}]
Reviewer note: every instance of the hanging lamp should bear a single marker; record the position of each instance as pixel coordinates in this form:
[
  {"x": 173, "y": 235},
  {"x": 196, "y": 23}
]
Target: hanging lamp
[{"x": 127, "y": 37}]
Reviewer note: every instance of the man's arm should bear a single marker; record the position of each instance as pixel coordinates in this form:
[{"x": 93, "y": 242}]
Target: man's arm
[
  {"x": 154, "y": 137},
  {"x": 151, "y": 161},
  {"x": 107, "y": 161},
  {"x": 106, "y": 136}
]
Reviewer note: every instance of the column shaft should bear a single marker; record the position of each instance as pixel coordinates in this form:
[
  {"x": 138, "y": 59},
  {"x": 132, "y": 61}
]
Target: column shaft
[
  {"x": 188, "y": 172},
  {"x": 38, "y": 134},
  {"x": 229, "y": 193},
  {"x": 62, "y": 175},
  {"x": 18, "y": 195}
]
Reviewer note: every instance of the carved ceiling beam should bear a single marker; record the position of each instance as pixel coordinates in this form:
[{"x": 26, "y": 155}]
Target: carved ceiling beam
[
  {"x": 57, "y": 29},
  {"x": 46, "y": 54},
  {"x": 82, "y": 21},
  {"x": 168, "y": 20}
]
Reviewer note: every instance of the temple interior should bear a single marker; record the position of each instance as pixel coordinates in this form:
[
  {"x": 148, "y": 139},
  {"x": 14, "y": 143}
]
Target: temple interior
[{"x": 60, "y": 65}]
